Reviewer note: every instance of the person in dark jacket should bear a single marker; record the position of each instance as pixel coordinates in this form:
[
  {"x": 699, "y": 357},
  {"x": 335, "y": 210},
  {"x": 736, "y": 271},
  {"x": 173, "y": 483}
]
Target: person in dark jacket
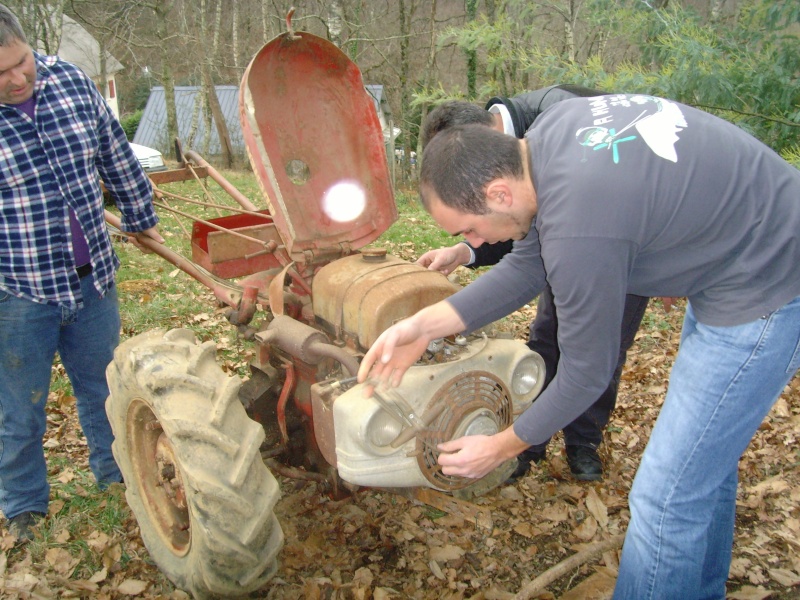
[{"x": 514, "y": 116}]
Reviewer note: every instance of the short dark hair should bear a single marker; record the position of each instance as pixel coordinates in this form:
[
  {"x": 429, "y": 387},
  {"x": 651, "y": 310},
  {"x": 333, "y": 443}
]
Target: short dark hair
[
  {"x": 461, "y": 161},
  {"x": 452, "y": 113},
  {"x": 10, "y": 29}
]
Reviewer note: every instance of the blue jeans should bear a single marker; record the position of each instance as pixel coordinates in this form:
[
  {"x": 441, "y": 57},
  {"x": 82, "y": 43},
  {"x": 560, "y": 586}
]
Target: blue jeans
[
  {"x": 30, "y": 335},
  {"x": 683, "y": 499}
]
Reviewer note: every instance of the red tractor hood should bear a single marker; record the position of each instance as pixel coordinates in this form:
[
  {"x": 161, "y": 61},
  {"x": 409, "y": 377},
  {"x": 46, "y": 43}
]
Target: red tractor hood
[{"x": 316, "y": 146}]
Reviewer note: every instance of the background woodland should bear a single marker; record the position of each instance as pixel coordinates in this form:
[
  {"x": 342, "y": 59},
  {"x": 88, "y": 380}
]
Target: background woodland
[{"x": 739, "y": 59}]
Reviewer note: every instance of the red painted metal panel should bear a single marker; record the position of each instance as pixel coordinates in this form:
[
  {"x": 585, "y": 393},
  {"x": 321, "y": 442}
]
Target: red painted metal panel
[{"x": 316, "y": 146}]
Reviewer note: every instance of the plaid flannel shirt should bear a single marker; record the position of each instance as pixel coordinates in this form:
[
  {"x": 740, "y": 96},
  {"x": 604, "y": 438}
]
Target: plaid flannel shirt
[{"x": 55, "y": 162}]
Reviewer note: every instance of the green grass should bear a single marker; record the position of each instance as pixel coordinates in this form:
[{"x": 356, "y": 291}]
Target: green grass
[
  {"x": 414, "y": 229},
  {"x": 83, "y": 521}
]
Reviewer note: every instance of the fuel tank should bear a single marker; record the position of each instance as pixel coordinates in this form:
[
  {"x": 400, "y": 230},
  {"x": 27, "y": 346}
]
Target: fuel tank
[{"x": 357, "y": 297}]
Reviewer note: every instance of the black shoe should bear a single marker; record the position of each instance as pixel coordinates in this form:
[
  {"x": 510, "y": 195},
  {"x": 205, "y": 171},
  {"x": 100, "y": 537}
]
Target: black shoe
[
  {"x": 584, "y": 463},
  {"x": 20, "y": 525},
  {"x": 524, "y": 460}
]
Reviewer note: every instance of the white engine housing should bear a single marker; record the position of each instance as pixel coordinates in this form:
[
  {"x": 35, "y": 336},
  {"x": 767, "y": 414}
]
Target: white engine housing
[{"x": 386, "y": 442}]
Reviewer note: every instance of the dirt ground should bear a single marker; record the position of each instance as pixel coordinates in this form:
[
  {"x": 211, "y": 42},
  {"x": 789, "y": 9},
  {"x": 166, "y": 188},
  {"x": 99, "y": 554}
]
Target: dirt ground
[{"x": 381, "y": 545}]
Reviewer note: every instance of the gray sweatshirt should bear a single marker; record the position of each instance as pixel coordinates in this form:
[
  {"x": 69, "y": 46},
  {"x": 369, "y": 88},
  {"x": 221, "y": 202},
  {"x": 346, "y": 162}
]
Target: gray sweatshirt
[{"x": 645, "y": 196}]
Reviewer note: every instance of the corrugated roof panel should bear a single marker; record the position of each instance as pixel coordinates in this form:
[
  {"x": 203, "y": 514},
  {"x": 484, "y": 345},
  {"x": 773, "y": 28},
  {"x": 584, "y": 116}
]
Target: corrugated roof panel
[{"x": 152, "y": 130}]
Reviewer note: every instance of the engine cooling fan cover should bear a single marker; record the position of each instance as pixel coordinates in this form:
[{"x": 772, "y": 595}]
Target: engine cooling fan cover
[{"x": 475, "y": 402}]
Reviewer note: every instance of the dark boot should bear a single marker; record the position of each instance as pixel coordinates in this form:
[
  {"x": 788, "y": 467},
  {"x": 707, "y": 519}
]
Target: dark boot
[
  {"x": 584, "y": 463},
  {"x": 20, "y": 525},
  {"x": 524, "y": 461}
]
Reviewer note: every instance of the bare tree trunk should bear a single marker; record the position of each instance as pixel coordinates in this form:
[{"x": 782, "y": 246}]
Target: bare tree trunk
[
  {"x": 161, "y": 11},
  {"x": 472, "y": 56},
  {"x": 716, "y": 9},
  {"x": 210, "y": 91},
  {"x": 235, "y": 34},
  {"x": 335, "y": 22},
  {"x": 42, "y": 21},
  {"x": 217, "y": 28},
  {"x": 406, "y": 19},
  {"x": 569, "y": 30},
  {"x": 431, "y": 77},
  {"x": 208, "y": 121},
  {"x": 198, "y": 110},
  {"x": 265, "y": 20},
  {"x": 103, "y": 69}
]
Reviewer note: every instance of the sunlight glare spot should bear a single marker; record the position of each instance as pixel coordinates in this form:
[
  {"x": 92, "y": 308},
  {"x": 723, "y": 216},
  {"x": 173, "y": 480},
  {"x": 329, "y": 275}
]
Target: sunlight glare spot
[{"x": 344, "y": 201}]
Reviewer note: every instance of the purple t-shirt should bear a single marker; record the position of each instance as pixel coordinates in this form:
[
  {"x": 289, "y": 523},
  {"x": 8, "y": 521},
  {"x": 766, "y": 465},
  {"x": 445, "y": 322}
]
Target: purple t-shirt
[{"x": 80, "y": 249}]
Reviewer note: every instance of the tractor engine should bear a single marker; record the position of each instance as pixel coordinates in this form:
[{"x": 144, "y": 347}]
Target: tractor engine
[
  {"x": 318, "y": 150},
  {"x": 462, "y": 386}
]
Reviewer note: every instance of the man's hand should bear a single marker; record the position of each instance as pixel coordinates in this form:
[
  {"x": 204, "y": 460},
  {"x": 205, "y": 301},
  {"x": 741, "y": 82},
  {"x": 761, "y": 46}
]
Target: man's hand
[
  {"x": 395, "y": 350},
  {"x": 477, "y": 455},
  {"x": 151, "y": 233},
  {"x": 402, "y": 344},
  {"x": 445, "y": 260}
]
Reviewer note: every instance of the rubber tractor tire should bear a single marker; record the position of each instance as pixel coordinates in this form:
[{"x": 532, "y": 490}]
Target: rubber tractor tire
[{"x": 194, "y": 477}]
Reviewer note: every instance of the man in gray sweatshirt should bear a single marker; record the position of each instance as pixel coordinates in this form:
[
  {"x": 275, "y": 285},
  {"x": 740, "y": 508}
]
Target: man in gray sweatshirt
[
  {"x": 616, "y": 195},
  {"x": 514, "y": 116}
]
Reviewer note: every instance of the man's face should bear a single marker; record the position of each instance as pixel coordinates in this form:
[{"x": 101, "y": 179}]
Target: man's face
[
  {"x": 495, "y": 226},
  {"x": 17, "y": 73}
]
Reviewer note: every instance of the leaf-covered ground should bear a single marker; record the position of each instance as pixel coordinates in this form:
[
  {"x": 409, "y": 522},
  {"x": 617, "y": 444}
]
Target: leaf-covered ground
[{"x": 377, "y": 544}]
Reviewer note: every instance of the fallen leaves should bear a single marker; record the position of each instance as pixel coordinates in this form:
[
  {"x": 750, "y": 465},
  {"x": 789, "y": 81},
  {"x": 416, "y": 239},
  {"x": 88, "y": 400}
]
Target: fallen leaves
[{"x": 381, "y": 546}]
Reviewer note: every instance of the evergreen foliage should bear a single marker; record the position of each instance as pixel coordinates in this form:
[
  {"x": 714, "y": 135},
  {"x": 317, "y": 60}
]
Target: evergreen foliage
[
  {"x": 130, "y": 124},
  {"x": 740, "y": 63}
]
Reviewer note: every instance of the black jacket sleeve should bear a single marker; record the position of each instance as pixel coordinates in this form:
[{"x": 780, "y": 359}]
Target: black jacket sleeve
[
  {"x": 490, "y": 254},
  {"x": 525, "y": 108}
]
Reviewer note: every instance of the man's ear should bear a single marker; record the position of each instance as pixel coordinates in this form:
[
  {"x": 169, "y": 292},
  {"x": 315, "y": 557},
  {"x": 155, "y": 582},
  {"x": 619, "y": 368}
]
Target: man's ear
[{"x": 498, "y": 195}]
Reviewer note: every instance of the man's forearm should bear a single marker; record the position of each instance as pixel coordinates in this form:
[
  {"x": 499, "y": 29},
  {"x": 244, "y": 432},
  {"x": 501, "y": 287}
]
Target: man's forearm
[{"x": 438, "y": 320}]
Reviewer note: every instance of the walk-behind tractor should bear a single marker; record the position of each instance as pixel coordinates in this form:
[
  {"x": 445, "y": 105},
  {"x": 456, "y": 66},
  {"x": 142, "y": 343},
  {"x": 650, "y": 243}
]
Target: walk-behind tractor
[{"x": 193, "y": 443}]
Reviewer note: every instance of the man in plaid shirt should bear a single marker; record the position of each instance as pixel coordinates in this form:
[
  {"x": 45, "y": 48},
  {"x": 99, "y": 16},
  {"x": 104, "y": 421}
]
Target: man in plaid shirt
[{"x": 58, "y": 138}]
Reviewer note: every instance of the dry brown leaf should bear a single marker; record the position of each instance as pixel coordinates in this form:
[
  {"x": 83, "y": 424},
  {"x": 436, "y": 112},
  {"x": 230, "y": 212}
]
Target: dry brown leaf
[
  {"x": 63, "y": 536},
  {"x": 599, "y": 586},
  {"x": 527, "y": 530},
  {"x": 555, "y": 512},
  {"x": 756, "y": 576},
  {"x": 81, "y": 585},
  {"x": 773, "y": 485},
  {"x": 111, "y": 556},
  {"x": 586, "y": 530},
  {"x": 445, "y": 553},
  {"x": 99, "y": 576},
  {"x": 132, "y": 587},
  {"x": 98, "y": 541},
  {"x": 23, "y": 582},
  {"x": 66, "y": 476},
  {"x": 597, "y": 508},
  {"x": 60, "y": 560},
  {"x": 55, "y": 506},
  {"x": 785, "y": 577},
  {"x": 436, "y": 569},
  {"x": 749, "y": 592}
]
